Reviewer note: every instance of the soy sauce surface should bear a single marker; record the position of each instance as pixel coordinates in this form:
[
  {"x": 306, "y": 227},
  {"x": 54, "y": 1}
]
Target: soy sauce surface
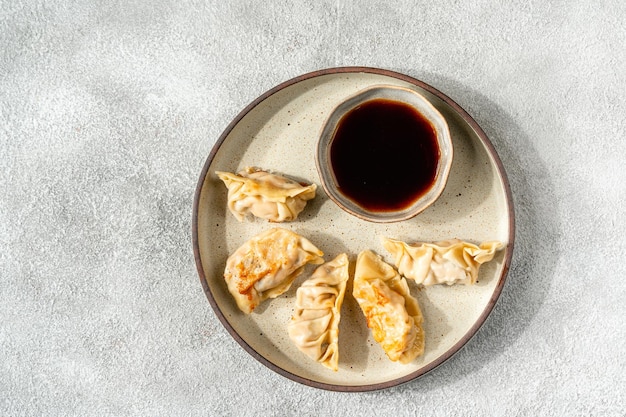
[{"x": 384, "y": 155}]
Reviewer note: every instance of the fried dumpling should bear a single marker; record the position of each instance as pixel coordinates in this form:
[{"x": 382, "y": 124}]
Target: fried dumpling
[
  {"x": 447, "y": 262},
  {"x": 392, "y": 314},
  {"x": 265, "y": 195},
  {"x": 314, "y": 327},
  {"x": 266, "y": 266}
]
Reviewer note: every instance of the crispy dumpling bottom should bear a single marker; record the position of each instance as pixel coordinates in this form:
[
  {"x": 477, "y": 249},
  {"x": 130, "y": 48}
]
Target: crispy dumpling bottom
[
  {"x": 266, "y": 266},
  {"x": 392, "y": 314}
]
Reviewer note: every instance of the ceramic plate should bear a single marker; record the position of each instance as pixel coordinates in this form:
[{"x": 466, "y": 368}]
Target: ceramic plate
[{"x": 279, "y": 131}]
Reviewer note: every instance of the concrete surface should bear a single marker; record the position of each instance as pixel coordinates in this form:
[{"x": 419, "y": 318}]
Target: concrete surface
[{"x": 109, "y": 109}]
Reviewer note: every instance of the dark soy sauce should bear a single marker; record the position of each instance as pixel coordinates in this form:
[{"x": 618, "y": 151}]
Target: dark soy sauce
[{"x": 384, "y": 155}]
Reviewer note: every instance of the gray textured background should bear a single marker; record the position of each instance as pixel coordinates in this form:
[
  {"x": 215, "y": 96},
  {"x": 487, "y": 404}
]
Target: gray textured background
[{"x": 109, "y": 109}]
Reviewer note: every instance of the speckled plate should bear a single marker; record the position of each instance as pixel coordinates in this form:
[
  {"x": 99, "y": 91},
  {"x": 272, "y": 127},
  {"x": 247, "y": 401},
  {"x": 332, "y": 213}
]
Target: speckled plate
[{"x": 279, "y": 131}]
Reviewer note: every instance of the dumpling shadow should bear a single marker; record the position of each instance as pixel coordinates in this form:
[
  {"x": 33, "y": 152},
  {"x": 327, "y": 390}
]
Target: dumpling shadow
[
  {"x": 486, "y": 271},
  {"x": 314, "y": 206},
  {"x": 353, "y": 331},
  {"x": 434, "y": 317}
]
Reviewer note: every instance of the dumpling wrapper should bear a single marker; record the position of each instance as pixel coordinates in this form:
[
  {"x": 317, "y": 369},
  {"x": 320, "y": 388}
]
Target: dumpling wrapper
[
  {"x": 448, "y": 262},
  {"x": 266, "y": 266},
  {"x": 393, "y": 315},
  {"x": 314, "y": 327},
  {"x": 268, "y": 196}
]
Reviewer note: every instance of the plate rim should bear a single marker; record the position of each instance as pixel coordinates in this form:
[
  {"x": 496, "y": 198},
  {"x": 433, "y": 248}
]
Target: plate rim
[{"x": 505, "y": 264}]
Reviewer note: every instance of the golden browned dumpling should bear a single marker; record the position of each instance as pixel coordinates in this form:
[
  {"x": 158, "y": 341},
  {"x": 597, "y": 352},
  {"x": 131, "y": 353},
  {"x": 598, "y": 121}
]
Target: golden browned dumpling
[
  {"x": 447, "y": 262},
  {"x": 314, "y": 327},
  {"x": 266, "y": 265},
  {"x": 268, "y": 196},
  {"x": 391, "y": 312}
]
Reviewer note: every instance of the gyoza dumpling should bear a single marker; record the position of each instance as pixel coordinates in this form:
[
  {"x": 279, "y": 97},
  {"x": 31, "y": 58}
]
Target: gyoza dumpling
[
  {"x": 314, "y": 327},
  {"x": 266, "y": 265},
  {"x": 392, "y": 314},
  {"x": 265, "y": 195},
  {"x": 447, "y": 262}
]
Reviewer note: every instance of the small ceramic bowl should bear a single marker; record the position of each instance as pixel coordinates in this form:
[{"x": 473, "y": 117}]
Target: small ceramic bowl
[{"x": 417, "y": 203}]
